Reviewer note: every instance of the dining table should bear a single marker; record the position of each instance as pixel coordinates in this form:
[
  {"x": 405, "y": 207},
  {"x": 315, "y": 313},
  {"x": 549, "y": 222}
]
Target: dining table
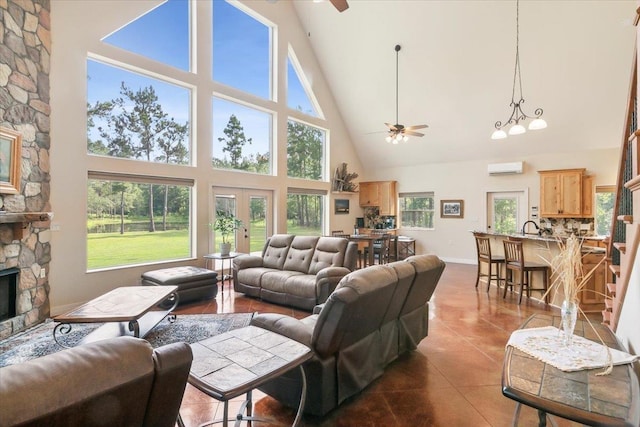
[{"x": 368, "y": 239}]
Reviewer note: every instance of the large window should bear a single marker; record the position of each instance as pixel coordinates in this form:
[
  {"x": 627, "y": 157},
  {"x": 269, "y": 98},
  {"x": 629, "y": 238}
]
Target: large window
[
  {"x": 305, "y": 212},
  {"x": 305, "y": 151},
  {"x": 136, "y": 221},
  {"x": 417, "y": 210},
  {"x": 136, "y": 117},
  {"x": 241, "y": 137}
]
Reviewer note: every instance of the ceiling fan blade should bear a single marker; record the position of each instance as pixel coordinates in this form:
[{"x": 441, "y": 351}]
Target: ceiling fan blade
[
  {"x": 341, "y": 5},
  {"x": 390, "y": 126},
  {"x": 408, "y": 132},
  {"x": 416, "y": 127}
]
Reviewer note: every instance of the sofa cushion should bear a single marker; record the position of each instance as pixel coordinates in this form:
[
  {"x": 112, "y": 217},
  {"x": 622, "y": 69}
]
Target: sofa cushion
[
  {"x": 253, "y": 275},
  {"x": 303, "y": 285},
  {"x": 329, "y": 252},
  {"x": 275, "y": 252},
  {"x": 275, "y": 280},
  {"x": 300, "y": 253}
]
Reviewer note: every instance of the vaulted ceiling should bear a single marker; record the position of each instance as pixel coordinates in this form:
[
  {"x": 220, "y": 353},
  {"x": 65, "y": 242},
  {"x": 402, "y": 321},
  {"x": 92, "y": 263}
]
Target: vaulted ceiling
[{"x": 456, "y": 72}]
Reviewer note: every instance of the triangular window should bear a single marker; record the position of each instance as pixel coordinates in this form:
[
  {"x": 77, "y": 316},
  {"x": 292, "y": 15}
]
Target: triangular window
[
  {"x": 161, "y": 34},
  {"x": 299, "y": 94}
]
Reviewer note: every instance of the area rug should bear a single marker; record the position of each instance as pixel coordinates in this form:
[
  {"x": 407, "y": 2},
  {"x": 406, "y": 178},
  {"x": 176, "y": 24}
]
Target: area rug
[{"x": 38, "y": 341}]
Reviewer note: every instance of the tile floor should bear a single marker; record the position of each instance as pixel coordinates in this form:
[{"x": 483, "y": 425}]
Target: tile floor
[{"x": 452, "y": 379}]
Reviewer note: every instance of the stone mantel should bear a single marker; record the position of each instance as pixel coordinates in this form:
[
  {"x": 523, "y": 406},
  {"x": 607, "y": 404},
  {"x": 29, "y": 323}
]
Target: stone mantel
[{"x": 21, "y": 219}]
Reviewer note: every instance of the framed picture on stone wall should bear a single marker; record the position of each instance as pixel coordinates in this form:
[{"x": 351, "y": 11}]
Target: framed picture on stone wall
[{"x": 10, "y": 158}]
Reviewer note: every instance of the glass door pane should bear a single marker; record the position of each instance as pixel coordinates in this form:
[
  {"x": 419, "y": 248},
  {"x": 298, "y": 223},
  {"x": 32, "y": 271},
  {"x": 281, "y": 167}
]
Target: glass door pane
[
  {"x": 506, "y": 212},
  {"x": 257, "y": 223}
]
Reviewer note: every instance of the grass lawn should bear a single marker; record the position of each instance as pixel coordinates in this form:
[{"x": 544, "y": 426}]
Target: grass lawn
[{"x": 106, "y": 250}]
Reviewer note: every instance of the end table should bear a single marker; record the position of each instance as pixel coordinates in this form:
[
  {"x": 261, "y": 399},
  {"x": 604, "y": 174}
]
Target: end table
[{"x": 222, "y": 258}]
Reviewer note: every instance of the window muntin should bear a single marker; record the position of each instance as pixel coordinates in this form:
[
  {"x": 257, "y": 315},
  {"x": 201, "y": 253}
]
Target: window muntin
[
  {"x": 136, "y": 117},
  {"x": 148, "y": 36},
  {"x": 241, "y": 50},
  {"x": 417, "y": 210},
  {"x": 305, "y": 151},
  {"x": 305, "y": 212},
  {"x": 122, "y": 230},
  {"x": 241, "y": 137}
]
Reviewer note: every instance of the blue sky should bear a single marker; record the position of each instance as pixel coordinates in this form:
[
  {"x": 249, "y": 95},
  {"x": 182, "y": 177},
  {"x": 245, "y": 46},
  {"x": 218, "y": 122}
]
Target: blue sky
[{"x": 241, "y": 59}]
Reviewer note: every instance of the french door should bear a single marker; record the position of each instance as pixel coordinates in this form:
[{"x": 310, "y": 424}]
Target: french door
[
  {"x": 254, "y": 208},
  {"x": 506, "y": 211}
]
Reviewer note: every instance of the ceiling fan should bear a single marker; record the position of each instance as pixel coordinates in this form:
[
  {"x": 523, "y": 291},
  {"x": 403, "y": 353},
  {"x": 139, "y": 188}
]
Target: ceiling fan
[
  {"x": 400, "y": 132},
  {"x": 341, "y": 5}
]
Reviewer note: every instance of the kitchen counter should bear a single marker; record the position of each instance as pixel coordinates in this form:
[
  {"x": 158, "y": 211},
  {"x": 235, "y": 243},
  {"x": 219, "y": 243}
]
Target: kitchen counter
[{"x": 542, "y": 249}]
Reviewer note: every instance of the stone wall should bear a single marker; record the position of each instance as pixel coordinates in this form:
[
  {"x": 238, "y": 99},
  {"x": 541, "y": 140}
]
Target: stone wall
[{"x": 25, "y": 51}]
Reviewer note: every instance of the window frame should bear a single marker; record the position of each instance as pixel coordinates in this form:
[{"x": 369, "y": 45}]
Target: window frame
[{"x": 417, "y": 194}]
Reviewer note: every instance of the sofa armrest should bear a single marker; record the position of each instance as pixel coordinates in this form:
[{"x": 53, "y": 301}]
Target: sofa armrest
[
  {"x": 287, "y": 326},
  {"x": 247, "y": 261},
  {"x": 318, "y": 308},
  {"x": 327, "y": 279}
]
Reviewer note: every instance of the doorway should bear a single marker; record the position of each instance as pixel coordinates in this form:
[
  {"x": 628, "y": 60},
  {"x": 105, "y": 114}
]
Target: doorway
[
  {"x": 506, "y": 211},
  {"x": 254, "y": 208}
]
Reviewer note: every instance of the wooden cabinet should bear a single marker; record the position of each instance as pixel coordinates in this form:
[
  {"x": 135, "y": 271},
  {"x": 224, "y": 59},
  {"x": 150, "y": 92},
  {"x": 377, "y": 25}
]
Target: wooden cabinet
[
  {"x": 382, "y": 194},
  {"x": 592, "y": 295},
  {"x": 566, "y": 193}
]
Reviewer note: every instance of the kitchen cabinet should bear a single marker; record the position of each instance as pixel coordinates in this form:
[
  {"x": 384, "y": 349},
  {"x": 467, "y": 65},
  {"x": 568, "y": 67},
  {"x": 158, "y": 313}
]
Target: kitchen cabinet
[
  {"x": 564, "y": 194},
  {"x": 381, "y": 194},
  {"x": 592, "y": 295}
]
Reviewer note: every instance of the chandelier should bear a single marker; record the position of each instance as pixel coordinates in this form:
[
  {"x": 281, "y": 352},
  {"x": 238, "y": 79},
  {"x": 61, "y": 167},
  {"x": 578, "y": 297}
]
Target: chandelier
[{"x": 517, "y": 114}]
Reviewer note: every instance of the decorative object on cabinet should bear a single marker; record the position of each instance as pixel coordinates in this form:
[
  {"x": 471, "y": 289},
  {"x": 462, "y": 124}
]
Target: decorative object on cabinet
[
  {"x": 451, "y": 208},
  {"x": 341, "y": 206},
  {"x": 342, "y": 180},
  {"x": 566, "y": 193},
  {"x": 10, "y": 160},
  {"x": 517, "y": 115}
]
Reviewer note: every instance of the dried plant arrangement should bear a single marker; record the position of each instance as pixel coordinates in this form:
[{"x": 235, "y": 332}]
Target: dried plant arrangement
[
  {"x": 342, "y": 180},
  {"x": 567, "y": 267}
]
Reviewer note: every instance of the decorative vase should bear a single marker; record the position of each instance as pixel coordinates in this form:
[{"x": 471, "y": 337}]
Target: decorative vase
[
  {"x": 225, "y": 249},
  {"x": 569, "y": 313}
]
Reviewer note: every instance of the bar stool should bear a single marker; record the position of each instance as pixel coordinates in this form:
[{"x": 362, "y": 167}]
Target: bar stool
[
  {"x": 515, "y": 262},
  {"x": 483, "y": 246}
]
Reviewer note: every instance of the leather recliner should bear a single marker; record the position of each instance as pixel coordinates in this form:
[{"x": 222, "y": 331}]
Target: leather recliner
[
  {"x": 374, "y": 315},
  {"x": 113, "y": 382}
]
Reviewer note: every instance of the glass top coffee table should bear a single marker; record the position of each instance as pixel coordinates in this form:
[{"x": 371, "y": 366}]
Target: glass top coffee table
[
  {"x": 228, "y": 365},
  {"x": 129, "y": 310}
]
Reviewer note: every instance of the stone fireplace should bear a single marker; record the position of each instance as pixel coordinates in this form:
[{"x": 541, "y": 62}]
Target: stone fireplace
[
  {"x": 8, "y": 292},
  {"x": 25, "y": 52}
]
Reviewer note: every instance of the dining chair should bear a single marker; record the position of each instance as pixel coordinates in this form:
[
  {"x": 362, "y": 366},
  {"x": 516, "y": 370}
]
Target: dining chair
[
  {"x": 518, "y": 267},
  {"x": 483, "y": 247},
  {"x": 380, "y": 247}
]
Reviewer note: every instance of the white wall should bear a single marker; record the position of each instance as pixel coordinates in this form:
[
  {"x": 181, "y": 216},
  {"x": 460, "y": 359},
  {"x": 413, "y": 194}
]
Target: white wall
[
  {"x": 77, "y": 29},
  {"x": 451, "y": 239}
]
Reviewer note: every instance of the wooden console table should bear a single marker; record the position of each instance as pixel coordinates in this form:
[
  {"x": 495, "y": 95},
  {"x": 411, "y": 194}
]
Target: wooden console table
[{"x": 581, "y": 396}]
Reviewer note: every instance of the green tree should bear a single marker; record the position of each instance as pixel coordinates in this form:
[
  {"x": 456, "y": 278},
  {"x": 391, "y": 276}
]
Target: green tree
[
  {"x": 170, "y": 144},
  {"x": 137, "y": 127},
  {"x": 234, "y": 141},
  {"x": 304, "y": 151},
  {"x": 100, "y": 110}
]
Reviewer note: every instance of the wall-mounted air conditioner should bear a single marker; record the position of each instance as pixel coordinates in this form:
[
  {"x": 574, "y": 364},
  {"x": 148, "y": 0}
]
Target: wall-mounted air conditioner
[{"x": 505, "y": 168}]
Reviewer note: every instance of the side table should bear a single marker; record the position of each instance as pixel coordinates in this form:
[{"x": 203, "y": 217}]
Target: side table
[
  {"x": 236, "y": 362},
  {"x": 222, "y": 258},
  {"x": 406, "y": 247},
  {"x": 581, "y": 396}
]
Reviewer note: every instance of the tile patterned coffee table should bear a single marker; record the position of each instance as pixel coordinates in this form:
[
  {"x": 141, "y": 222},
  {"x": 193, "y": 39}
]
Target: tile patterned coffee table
[
  {"x": 129, "y": 310},
  {"x": 236, "y": 362}
]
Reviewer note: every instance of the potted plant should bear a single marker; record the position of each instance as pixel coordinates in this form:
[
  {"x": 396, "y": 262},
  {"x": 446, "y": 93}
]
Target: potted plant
[{"x": 226, "y": 224}]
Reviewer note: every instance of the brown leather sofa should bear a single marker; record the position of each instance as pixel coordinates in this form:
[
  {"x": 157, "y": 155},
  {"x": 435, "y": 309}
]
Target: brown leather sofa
[
  {"x": 374, "y": 315},
  {"x": 298, "y": 271},
  {"x": 113, "y": 382}
]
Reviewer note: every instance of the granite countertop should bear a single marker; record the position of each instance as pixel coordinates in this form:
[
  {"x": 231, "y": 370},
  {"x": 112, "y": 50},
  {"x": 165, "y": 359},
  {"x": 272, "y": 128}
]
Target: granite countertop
[{"x": 535, "y": 237}]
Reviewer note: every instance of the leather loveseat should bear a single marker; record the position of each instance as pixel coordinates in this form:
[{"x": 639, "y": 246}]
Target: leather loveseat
[
  {"x": 298, "y": 271},
  {"x": 374, "y": 315},
  {"x": 114, "y": 382}
]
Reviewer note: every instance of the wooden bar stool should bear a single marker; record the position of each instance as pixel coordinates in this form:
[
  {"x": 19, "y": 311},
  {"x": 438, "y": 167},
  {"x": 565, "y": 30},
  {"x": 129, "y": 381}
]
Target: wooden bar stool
[
  {"x": 483, "y": 246},
  {"x": 515, "y": 262}
]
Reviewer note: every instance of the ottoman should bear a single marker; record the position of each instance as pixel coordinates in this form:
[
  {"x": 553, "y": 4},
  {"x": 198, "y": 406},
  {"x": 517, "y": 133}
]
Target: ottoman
[{"x": 194, "y": 283}]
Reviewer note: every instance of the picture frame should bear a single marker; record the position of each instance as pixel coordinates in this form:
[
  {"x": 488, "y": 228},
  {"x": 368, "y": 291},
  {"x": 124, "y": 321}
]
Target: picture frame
[
  {"x": 341, "y": 206},
  {"x": 452, "y": 208},
  {"x": 10, "y": 160}
]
